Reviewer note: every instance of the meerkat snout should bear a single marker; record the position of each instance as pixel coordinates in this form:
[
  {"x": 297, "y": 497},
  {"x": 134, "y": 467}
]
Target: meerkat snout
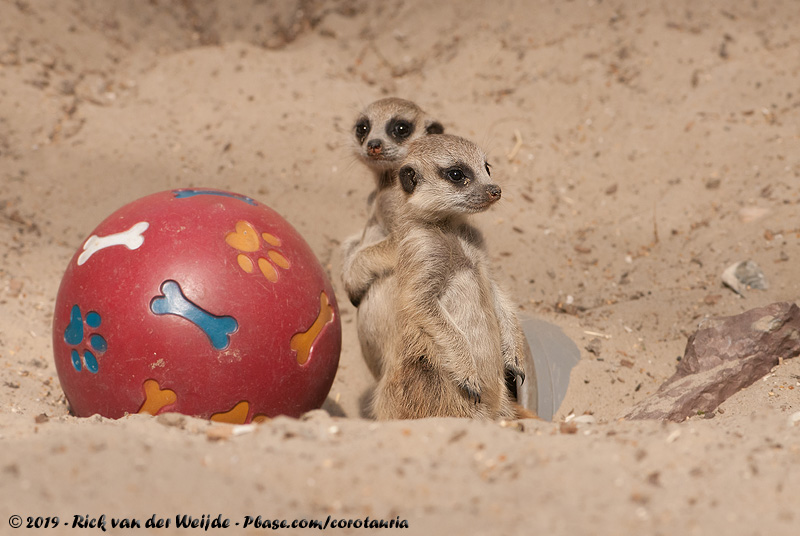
[
  {"x": 374, "y": 147},
  {"x": 494, "y": 192}
]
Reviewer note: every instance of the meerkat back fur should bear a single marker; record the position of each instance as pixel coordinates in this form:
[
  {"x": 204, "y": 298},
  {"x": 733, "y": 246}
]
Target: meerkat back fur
[
  {"x": 381, "y": 133},
  {"x": 456, "y": 333}
]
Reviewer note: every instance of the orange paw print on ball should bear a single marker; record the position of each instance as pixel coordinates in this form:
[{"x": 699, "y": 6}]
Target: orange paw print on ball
[{"x": 246, "y": 239}]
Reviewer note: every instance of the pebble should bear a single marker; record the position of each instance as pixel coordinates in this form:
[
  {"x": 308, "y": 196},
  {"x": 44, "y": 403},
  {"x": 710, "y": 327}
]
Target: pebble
[
  {"x": 794, "y": 418},
  {"x": 745, "y": 275}
]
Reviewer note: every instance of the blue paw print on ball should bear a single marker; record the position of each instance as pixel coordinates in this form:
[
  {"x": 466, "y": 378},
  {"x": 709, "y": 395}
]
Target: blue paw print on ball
[{"x": 73, "y": 335}]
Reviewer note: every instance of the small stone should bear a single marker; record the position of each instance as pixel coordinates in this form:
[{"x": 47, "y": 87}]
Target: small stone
[
  {"x": 315, "y": 414},
  {"x": 594, "y": 346},
  {"x": 794, "y": 418},
  {"x": 745, "y": 275},
  {"x": 219, "y": 432},
  {"x": 514, "y": 425},
  {"x": 568, "y": 428},
  {"x": 751, "y": 214},
  {"x": 177, "y": 420},
  {"x": 585, "y": 419},
  {"x": 224, "y": 431}
]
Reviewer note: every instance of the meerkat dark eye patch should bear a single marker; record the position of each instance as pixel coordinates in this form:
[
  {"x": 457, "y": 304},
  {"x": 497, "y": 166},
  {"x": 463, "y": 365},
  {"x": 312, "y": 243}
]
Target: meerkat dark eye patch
[
  {"x": 362, "y": 129},
  {"x": 486, "y": 164},
  {"x": 459, "y": 175},
  {"x": 434, "y": 128},
  {"x": 399, "y": 129},
  {"x": 408, "y": 178}
]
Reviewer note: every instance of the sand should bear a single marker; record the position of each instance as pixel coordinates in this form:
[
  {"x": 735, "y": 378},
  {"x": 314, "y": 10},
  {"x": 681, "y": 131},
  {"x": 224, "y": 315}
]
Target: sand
[{"x": 642, "y": 148}]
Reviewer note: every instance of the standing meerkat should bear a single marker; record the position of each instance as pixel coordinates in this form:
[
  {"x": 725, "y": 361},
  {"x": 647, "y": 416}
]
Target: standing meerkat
[
  {"x": 456, "y": 334},
  {"x": 382, "y": 133}
]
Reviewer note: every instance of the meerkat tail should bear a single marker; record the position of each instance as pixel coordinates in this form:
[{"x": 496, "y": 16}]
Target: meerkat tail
[{"x": 523, "y": 413}]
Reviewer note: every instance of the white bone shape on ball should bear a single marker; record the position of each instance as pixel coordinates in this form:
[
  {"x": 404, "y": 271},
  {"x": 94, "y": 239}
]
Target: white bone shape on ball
[{"x": 132, "y": 239}]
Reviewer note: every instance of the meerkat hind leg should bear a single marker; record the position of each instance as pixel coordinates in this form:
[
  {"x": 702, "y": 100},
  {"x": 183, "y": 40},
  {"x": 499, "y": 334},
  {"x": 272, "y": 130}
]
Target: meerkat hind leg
[{"x": 418, "y": 389}]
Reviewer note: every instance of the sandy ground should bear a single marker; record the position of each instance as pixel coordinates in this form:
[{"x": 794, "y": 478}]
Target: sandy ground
[{"x": 642, "y": 148}]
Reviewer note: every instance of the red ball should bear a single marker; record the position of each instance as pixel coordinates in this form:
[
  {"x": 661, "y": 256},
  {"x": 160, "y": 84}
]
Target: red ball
[{"x": 202, "y": 302}]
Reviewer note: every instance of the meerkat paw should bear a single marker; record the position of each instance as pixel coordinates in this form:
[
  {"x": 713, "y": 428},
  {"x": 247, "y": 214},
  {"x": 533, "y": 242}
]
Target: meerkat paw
[
  {"x": 355, "y": 296},
  {"x": 517, "y": 370},
  {"x": 472, "y": 389},
  {"x": 513, "y": 365}
]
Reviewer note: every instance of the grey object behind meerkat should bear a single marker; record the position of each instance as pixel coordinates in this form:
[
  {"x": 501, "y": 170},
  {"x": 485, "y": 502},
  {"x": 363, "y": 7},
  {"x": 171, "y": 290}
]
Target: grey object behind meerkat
[{"x": 551, "y": 357}]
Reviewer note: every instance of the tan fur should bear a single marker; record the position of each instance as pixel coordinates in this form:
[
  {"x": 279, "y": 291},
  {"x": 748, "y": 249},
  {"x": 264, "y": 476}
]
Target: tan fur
[
  {"x": 456, "y": 333},
  {"x": 369, "y": 287}
]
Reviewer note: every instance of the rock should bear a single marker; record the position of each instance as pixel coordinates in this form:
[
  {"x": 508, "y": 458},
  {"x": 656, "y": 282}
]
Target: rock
[
  {"x": 176, "y": 420},
  {"x": 744, "y": 275},
  {"x": 315, "y": 414},
  {"x": 723, "y": 356},
  {"x": 585, "y": 419},
  {"x": 594, "y": 346},
  {"x": 750, "y": 214}
]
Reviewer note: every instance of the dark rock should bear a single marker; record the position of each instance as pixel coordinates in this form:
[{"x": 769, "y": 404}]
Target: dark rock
[
  {"x": 725, "y": 355},
  {"x": 594, "y": 346}
]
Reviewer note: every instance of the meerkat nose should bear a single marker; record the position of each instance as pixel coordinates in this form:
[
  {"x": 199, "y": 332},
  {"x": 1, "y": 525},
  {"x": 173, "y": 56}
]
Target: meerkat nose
[
  {"x": 494, "y": 192},
  {"x": 374, "y": 146}
]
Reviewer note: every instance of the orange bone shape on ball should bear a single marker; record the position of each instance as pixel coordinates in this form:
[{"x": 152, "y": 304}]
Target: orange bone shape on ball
[
  {"x": 238, "y": 415},
  {"x": 301, "y": 342},
  {"x": 155, "y": 398}
]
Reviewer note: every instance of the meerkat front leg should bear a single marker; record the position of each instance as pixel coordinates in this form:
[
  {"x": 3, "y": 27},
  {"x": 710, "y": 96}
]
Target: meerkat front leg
[
  {"x": 458, "y": 357},
  {"x": 511, "y": 335},
  {"x": 446, "y": 347},
  {"x": 365, "y": 265}
]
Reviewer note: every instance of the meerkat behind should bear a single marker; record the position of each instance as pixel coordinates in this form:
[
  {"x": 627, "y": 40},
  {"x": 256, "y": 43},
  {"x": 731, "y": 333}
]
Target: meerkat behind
[
  {"x": 456, "y": 333},
  {"x": 381, "y": 133}
]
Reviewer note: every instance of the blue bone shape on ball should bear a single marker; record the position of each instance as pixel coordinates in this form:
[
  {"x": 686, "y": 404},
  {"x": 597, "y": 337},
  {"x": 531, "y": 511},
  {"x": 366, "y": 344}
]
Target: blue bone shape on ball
[
  {"x": 173, "y": 302},
  {"x": 183, "y": 194}
]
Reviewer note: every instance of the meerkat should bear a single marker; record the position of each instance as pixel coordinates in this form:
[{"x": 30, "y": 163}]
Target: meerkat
[
  {"x": 381, "y": 132},
  {"x": 456, "y": 334}
]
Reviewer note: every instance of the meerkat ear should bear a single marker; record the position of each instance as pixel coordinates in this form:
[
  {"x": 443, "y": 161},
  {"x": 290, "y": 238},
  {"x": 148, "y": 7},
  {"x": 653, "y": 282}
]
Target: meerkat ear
[
  {"x": 434, "y": 127},
  {"x": 408, "y": 178}
]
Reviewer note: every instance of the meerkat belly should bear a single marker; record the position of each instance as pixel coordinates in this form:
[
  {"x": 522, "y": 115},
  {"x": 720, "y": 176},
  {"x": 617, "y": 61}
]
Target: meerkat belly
[{"x": 466, "y": 302}]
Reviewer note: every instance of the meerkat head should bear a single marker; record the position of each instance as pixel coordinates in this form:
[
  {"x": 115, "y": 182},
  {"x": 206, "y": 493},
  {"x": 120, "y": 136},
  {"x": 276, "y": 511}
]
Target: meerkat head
[
  {"x": 445, "y": 176},
  {"x": 386, "y": 127}
]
